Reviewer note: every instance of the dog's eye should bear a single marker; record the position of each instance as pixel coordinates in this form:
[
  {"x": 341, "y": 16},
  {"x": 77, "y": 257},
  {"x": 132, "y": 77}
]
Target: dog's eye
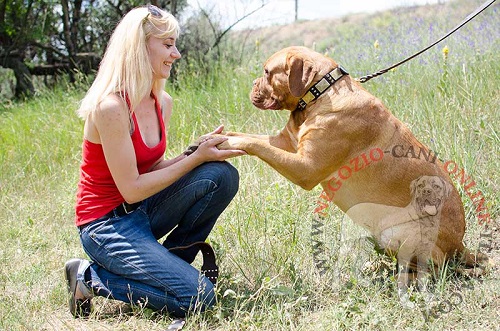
[
  {"x": 266, "y": 72},
  {"x": 435, "y": 187}
]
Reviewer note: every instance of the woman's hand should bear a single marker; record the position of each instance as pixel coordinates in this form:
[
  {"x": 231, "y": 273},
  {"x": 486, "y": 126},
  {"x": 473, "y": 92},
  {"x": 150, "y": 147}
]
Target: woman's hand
[
  {"x": 207, "y": 149},
  {"x": 219, "y": 130},
  {"x": 191, "y": 148}
]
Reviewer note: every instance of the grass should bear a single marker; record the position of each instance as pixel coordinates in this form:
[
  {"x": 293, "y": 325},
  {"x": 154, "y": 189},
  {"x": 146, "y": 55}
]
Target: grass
[{"x": 269, "y": 280}]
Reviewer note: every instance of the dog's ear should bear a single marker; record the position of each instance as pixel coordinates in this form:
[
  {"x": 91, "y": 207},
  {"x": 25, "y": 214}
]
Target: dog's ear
[
  {"x": 413, "y": 186},
  {"x": 448, "y": 187},
  {"x": 301, "y": 72}
]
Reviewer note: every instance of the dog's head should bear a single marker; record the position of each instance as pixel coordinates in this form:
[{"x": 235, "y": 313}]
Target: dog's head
[
  {"x": 428, "y": 194},
  {"x": 288, "y": 74}
]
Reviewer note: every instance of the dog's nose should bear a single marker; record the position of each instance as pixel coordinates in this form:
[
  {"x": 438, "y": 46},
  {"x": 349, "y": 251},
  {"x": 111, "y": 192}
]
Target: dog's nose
[
  {"x": 255, "y": 81},
  {"x": 427, "y": 191}
]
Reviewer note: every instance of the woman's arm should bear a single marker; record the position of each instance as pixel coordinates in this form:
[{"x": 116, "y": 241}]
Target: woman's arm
[
  {"x": 166, "y": 103},
  {"x": 164, "y": 163},
  {"x": 111, "y": 120}
]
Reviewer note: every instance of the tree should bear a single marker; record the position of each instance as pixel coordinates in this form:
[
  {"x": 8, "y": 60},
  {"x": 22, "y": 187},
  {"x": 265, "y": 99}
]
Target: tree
[
  {"x": 49, "y": 38},
  {"x": 203, "y": 34},
  {"x": 32, "y": 42},
  {"x": 16, "y": 39}
]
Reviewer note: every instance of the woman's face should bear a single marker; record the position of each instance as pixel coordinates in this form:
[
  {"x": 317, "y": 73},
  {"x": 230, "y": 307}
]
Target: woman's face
[{"x": 162, "y": 54}]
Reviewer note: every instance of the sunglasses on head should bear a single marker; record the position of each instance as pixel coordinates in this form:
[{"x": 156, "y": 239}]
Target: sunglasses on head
[{"x": 154, "y": 11}]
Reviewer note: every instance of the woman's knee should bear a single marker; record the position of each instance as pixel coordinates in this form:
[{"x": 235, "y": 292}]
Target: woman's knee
[
  {"x": 224, "y": 175},
  {"x": 206, "y": 295},
  {"x": 201, "y": 301}
]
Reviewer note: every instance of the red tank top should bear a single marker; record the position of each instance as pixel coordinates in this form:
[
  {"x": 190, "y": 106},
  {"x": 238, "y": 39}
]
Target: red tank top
[{"x": 97, "y": 192}]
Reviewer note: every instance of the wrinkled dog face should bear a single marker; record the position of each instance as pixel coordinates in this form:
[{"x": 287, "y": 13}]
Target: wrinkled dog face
[
  {"x": 287, "y": 75},
  {"x": 270, "y": 90},
  {"x": 428, "y": 193}
]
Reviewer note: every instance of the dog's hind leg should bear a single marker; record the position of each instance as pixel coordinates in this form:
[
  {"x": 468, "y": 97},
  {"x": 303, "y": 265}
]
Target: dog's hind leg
[{"x": 475, "y": 265}]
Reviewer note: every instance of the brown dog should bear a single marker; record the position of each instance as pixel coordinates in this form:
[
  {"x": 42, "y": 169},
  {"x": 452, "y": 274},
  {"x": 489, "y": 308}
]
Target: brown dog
[{"x": 324, "y": 139}]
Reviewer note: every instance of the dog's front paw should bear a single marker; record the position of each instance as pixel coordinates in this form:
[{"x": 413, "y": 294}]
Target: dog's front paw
[
  {"x": 195, "y": 144},
  {"x": 224, "y": 145},
  {"x": 233, "y": 142}
]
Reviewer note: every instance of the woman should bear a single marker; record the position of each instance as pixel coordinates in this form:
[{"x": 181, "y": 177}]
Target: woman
[{"x": 129, "y": 196}]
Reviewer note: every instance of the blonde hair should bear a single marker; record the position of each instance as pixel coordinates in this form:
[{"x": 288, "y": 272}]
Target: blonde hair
[{"x": 125, "y": 67}]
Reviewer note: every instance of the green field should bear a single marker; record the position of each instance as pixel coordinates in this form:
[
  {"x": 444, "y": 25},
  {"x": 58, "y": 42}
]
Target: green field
[{"x": 269, "y": 279}]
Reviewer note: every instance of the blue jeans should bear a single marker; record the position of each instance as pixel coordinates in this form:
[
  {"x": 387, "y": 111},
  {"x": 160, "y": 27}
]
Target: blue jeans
[{"x": 129, "y": 264}]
